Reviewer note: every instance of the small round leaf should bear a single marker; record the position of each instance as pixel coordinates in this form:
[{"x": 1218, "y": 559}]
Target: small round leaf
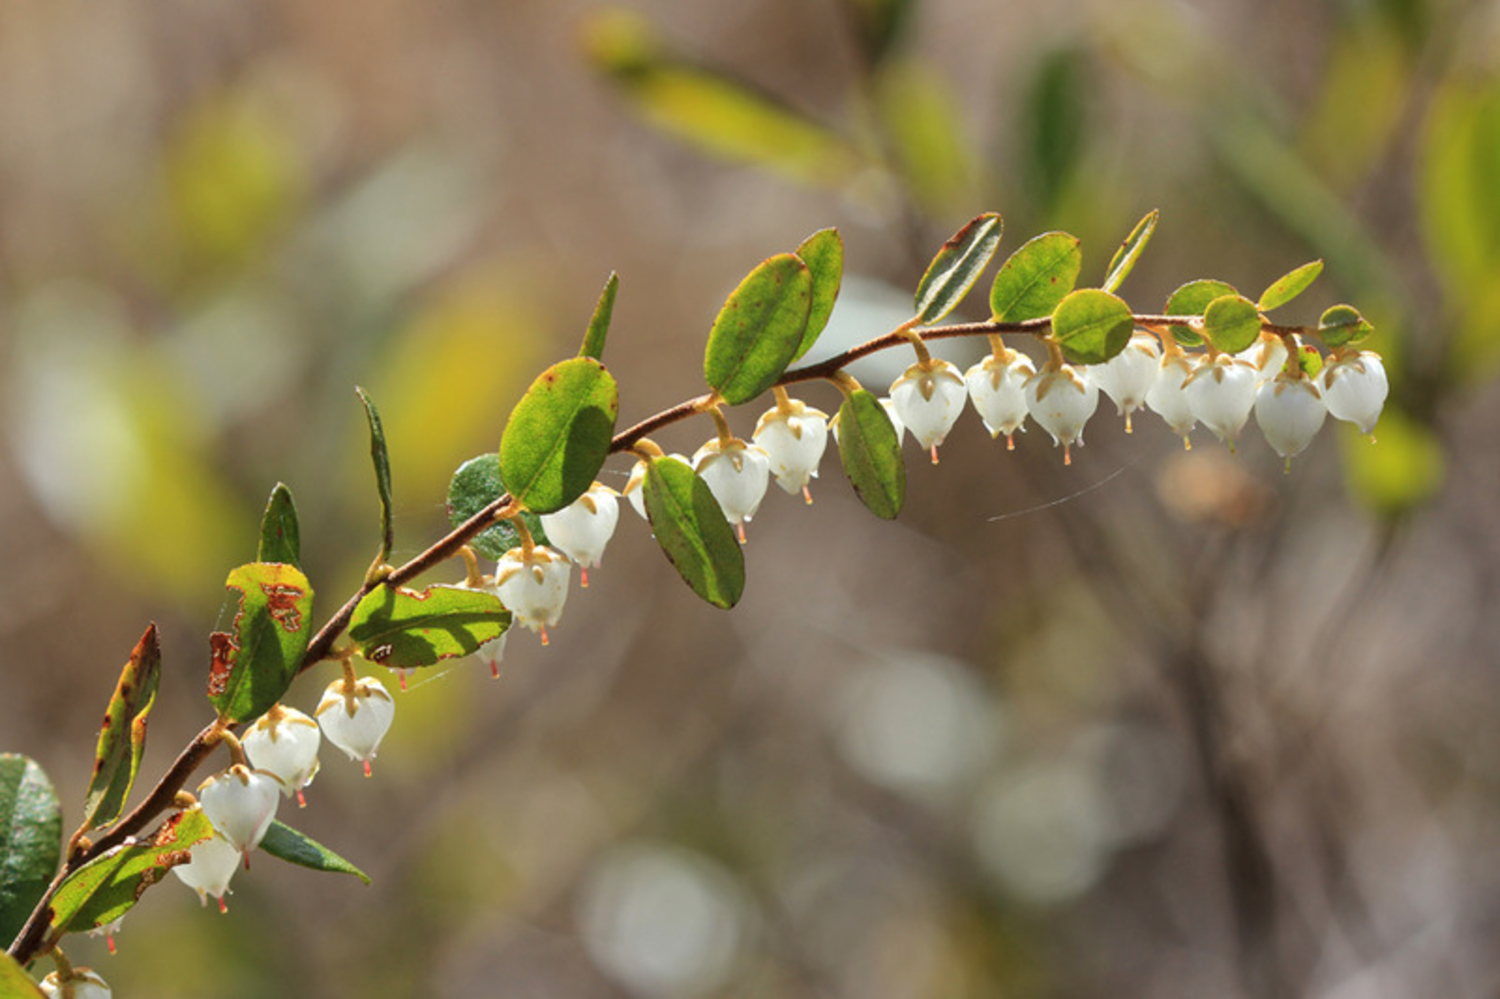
[
  {"x": 1231, "y": 323},
  {"x": 1091, "y": 326},
  {"x": 559, "y": 434}
]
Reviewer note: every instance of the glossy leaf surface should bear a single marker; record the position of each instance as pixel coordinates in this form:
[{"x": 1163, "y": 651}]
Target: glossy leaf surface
[
  {"x": 1290, "y": 285},
  {"x": 254, "y": 662},
  {"x": 285, "y": 843},
  {"x": 1091, "y": 326},
  {"x": 30, "y": 840},
  {"x": 871, "y": 454},
  {"x": 823, "y": 253},
  {"x": 476, "y": 485},
  {"x": 957, "y": 266},
  {"x": 760, "y": 329},
  {"x": 280, "y": 536},
  {"x": 558, "y": 435},
  {"x": 108, "y": 886},
  {"x": 1036, "y": 277},
  {"x": 404, "y": 629},
  {"x": 1191, "y": 300},
  {"x": 693, "y": 533},
  {"x": 122, "y": 737},
  {"x": 1231, "y": 323},
  {"x": 1123, "y": 262}
]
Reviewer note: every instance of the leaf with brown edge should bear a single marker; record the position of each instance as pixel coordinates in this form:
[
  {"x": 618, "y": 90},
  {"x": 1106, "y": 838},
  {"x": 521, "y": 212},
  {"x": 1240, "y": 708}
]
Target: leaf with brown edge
[{"x": 122, "y": 737}]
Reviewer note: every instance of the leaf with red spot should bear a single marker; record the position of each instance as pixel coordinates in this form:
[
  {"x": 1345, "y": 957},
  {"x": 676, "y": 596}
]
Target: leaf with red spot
[
  {"x": 122, "y": 738},
  {"x": 255, "y": 661},
  {"x": 404, "y": 629},
  {"x": 759, "y": 329}
]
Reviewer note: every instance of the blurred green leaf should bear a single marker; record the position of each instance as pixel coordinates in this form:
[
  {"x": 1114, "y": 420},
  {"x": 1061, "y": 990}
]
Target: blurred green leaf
[
  {"x": 923, "y": 124},
  {"x": 1036, "y": 277},
  {"x": 406, "y": 629},
  {"x": 1091, "y": 326},
  {"x": 692, "y": 531},
  {"x": 559, "y": 434},
  {"x": 122, "y": 737},
  {"x": 475, "y": 485},
  {"x": 879, "y": 24},
  {"x": 759, "y": 330},
  {"x": 1342, "y": 324},
  {"x": 285, "y": 843},
  {"x": 1231, "y": 323},
  {"x": 871, "y": 454},
  {"x": 1054, "y": 125},
  {"x": 14, "y": 982},
  {"x": 712, "y": 111},
  {"x": 1192, "y": 300},
  {"x": 30, "y": 840},
  {"x": 1290, "y": 285},
  {"x": 108, "y": 886},
  {"x": 1406, "y": 469},
  {"x": 253, "y": 664},
  {"x": 1365, "y": 90},
  {"x": 1123, "y": 262},
  {"x": 381, "y": 458},
  {"x": 280, "y": 537},
  {"x": 823, "y": 253},
  {"x": 957, "y": 266},
  {"x": 593, "y": 340}
]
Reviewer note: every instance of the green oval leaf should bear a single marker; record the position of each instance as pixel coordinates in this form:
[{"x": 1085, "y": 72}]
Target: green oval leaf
[
  {"x": 381, "y": 458},
  {"x": 1290, "y": 285},
  {"x": 285, "y": 843},
  {"x": 1342, "y": 324},
  {"x": 871, "y": 454},
  {"x": 15, "y": 983},
  {"x": 759, "y": 329},
  {"x": 1091, "y": 326},
  {"x": 604, "y": 310},
  {"x": 108, "y": 886},
  {"x": 475, "y": 485},
  {"x": 280, "y": 537},
  {"x": 404, "y": 629},
  {"x": 1123, "y": 262},
  {"x": 1191, "y": 300},
  {"x": 1231, "y": 323},
  {"x": 1036, "y": 277},
  {"x": 253, "y": 664},
  {"x": 558, "y": 435},
  {"x": 122, "y": 738},
  {"x": 692, "y": 531},
  {"x": 823, "y": 253},
  {"x": 957, "y": 266},
  {"x": 30, "y": 840}
]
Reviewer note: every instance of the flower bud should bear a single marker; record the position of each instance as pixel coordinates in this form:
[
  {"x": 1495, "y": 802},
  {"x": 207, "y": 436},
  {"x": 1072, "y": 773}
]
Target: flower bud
[
  {"x": 737, "y": 474},
  {"x": 794, "y": 440},
  {"x": 210, "y": 867},
  {"x": 1129, "y": 375},
  {"x": 83, "y": 983},
  {"x": 240, "y": 803},
  {"x": 581, "y": 529},
  {"x": 1062, "y": 399},
  {"x": 929, "y": 398},
  {"x": 284, "y": 743},
  {"x": 356, "y": 716},
  {"x": 1290, "y": 412},
  {"x": 997, "y": 387},
  {"x": 1167, "y": 398},
  {"x": 533, "y": 585},
  {"x": 1221, "y": 393},
  {"x": 1355, "y": 388}
]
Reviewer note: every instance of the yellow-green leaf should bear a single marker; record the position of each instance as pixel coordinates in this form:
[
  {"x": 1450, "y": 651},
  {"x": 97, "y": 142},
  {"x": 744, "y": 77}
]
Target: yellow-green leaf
[
  {"x": 823, "y": 253},
  {"x": 1036, "y": 277},
  {"x": 253, "y": 663},
  {"x": 1290, "y": 285},
  {"x": 1123, "y": 262},
  {"x": 759, "y": 329},
  {"x": 1231, "y": 323},
  {"x": 558, "y": 435},
  {"x": 1091, "y": 326},
  {"x": 407, "y": 629},
  {"x": 122, "y": 737},
  {"x": 871, "y": 454}
]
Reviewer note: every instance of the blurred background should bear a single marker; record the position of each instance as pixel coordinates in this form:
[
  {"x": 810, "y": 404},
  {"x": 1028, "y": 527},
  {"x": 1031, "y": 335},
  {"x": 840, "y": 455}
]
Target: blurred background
[{"x": 1159, "y": 724}]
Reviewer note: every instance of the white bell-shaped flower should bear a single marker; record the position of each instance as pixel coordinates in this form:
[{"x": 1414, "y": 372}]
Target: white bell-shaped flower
[
  {"x": 1267, "y": 355},
  {"x": 737, "y": 474},
  {"x": 240, "y": 803},
  {"x": 794, "y": 439},
  {"x": 1221, "y": 392},
  {"x": 83, "y": 983},
  {"x": 356, "y": 716},
  {"x": 284, "y": 742},
  {"x": 1355, "y": 388},
  {"x": 1061, "y": 399},
  {"x": 928, "y": 398},
  {"x": 210, "y": 867},
  {"x": 1129, "y": 375},
  {"x": 1167, "y": 398},
  {"x": 1290, "y": 412},
  {"x": 997, "y": 388},
  {"x": 581, "y": 529},
  {"x": 534, "y": 586}
]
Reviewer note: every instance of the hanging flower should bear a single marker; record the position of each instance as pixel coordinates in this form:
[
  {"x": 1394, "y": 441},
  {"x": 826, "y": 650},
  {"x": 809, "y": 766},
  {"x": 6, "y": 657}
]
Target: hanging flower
[
  {"x": 928, "y": 398},
  {"x": 210, "y": 867},
  {"x": 240, "y": 803},
  {"x": 737, "y": 474},
  {"x": 83, "y": 983},
  {"x": 997, "y": 388},
  {"x": 284, "y": 742},
  {"x": 1061, "y": 399},
  {"x": 793, "y": 439},
  {"x": 533, "y": 585},
  {"x": 1290, "y": 412},
  {"x": 1129, "y": 376},
  {"x": 1355, "y": 387},
  {"x": 1221, "y": 393},
  {"x": 582, "y": 528},
  {"x": 1167, "y": 398},
  {"x": 356, "y": 715},
  {"x": 1267, "y": 355}
]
